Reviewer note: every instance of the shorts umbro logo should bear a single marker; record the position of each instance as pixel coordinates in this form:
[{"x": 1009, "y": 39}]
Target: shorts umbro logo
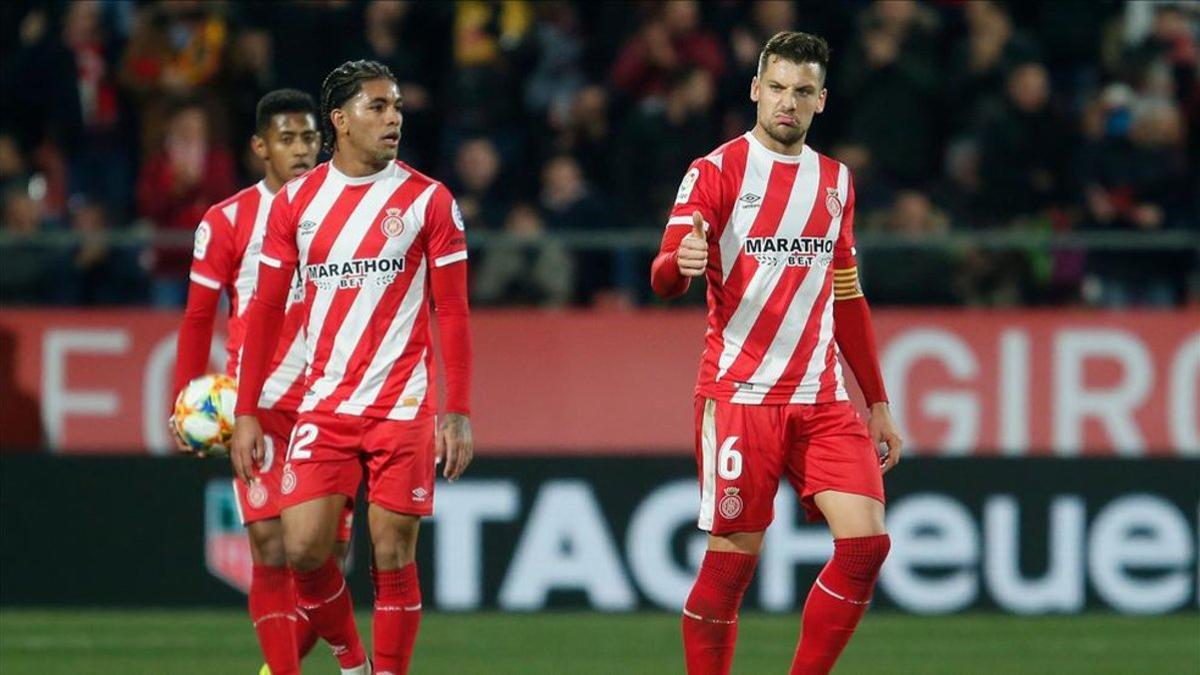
[{"x": 419, "y": 494}]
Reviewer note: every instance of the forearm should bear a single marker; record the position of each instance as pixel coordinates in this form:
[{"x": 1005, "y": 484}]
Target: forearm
[
  {"x": 264, "y": 321},
  {"x": 855, "y": 337},
  {"x": 195, "y": 335},
  {"x": 449, "y": 290},
  {"x": 665, "y": 278}
]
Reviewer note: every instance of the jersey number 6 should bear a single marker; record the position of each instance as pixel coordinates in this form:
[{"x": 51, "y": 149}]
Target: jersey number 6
[{"x": 729, "y": 460}]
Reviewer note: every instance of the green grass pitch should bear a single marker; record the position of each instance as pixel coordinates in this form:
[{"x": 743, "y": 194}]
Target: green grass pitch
[{"x": 185, "y": 642}]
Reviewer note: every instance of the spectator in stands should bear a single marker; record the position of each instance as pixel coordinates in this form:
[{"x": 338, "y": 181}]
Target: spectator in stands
[
  {"x": 670, "y": 42},
  {"x": 584, "y": 132},
  {"x": 177, "y": 185},
  {"x": 659, "y": 141},
  {"x": 478, "y": 184},
  {"x": 31, "y": 269},
  {"x": 568, "y": 201},
  {"x": 890, "y": 77},
  {"x": 1024, "y": 149},
  {"x": 524, "y": 266},
  {"x": 980, "y": 60},
  {"x": 928, "y": 276}
]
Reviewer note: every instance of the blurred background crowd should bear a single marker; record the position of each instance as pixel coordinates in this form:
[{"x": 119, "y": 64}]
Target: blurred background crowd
[{"x": 1003, "y": 153}]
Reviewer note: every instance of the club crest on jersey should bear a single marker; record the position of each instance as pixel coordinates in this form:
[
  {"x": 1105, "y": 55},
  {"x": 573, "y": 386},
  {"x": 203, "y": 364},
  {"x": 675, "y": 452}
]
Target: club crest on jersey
[
  {"x": 731, "y": 504},
  {"x": 832, "y": 203},
  {"x": 392, "y": 225}
]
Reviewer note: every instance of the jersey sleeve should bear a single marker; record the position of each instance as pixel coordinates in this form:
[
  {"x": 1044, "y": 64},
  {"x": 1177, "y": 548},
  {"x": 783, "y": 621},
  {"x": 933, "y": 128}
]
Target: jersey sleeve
[
  {"x": 214, "y": 251},
  {"x": 279, "y": 248},
  {"x": 699, "y": 191},
  {"x": 846, "y": 285},
  {"x": 445, "y": 232}
]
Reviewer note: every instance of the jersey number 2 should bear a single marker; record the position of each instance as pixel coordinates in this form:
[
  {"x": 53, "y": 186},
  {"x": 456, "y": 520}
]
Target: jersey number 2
[{"x": 302, "y": 436}]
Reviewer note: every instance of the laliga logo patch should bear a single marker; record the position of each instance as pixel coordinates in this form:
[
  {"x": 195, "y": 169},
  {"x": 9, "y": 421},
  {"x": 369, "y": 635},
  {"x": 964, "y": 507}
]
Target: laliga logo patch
[
  {"x": 288, "y": 484},
  {"x": 731, "y": 504},
  {"x": 832, "y": 203},
  {"x": 685, "y": 188},
  {"x": 392, "y": 225},
  {"x": 456, "y": 214},
  {"x": 203, "y": 236},
  {"x": 257, "y": 495}
]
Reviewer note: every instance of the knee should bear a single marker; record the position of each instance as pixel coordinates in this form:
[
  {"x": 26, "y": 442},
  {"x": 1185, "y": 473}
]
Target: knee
[
  {"x": 306, "y": 553},
  {"x": 268, "y": 551},
  {"x": 862, "y": 556},
  {"x": 395, "y": 546}
]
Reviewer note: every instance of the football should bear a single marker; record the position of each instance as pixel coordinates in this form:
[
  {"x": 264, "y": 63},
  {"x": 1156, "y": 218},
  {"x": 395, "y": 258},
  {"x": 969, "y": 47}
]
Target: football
[{"x": 204, "y": 413}]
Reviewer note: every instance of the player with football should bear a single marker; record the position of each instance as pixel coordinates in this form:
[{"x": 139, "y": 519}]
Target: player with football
[
  {"x": 769, "y": 223},
  {"x": 225, "y": 260},
  {"x": 374, "y": 241}
]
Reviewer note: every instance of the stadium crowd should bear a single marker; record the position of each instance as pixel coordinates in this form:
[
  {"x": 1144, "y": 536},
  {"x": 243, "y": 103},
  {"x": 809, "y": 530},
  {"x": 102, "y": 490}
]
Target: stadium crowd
[{"x": 556, "y": 117}]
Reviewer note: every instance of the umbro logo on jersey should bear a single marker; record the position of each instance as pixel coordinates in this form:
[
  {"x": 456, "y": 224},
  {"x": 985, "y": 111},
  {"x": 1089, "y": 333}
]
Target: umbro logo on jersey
[
  {"x": 749, "y": 200},
  {"x": 307, "y": 227}
]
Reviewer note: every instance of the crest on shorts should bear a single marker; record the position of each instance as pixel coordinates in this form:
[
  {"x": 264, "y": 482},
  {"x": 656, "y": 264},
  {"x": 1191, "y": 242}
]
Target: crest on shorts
[
  {"x": 392, "y": 225},
  {"x": 731, "y": 504},
  {"x": 832, "y": 203},
  {"x": 288, "y": 484},
  {"x": 256, "y": 496}
]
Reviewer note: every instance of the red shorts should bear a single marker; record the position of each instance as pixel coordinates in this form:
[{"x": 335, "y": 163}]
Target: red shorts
[
  {"x": 328, "y": 452},
  {"x": 261, "y": 501},
  {"x": 743, "y": 450}
]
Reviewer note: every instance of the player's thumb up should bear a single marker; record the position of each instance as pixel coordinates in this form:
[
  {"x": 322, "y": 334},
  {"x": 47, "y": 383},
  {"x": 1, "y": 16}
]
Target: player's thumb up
[{"x": 698, "y": 225}]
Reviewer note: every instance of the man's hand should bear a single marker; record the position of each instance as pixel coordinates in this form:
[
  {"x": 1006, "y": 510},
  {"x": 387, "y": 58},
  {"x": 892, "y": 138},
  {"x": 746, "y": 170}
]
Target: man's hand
[
  {"x": 455, "y": 447},
  {"x": 181, "y": 445},
  {"x": 246, "y": 448},
  {"x": 882, "y": 429},
  {"x": 692, "y": 255}
]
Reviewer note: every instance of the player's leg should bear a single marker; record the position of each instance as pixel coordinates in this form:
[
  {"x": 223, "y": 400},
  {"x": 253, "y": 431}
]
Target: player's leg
[
  {"x": 739, "y": 462},
  {"x": 397, "y": 588},
  {"x": 321, "y": 474},
  {"x": 839, "y": 478},
  {"x": 400, "y": 477},
  {"x": 273, "y": 597}
]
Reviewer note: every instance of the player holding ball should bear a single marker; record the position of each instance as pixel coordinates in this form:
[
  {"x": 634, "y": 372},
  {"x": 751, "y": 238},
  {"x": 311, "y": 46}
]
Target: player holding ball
[{"x": 769, "y": 223}]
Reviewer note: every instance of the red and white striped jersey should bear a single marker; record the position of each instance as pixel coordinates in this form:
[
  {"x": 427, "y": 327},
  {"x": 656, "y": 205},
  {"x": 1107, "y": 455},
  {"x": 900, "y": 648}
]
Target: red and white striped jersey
[
  {"x": 777, "y": 227},
  {"x": 363, "y": 247},
  {"x": 225, "y": 257}
]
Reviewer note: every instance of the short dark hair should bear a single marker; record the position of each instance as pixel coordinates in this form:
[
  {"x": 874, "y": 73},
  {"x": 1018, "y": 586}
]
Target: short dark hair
[
  {"x": 796, "y": 47},
  {"x": 343, "y": 84},
  {"x": 280, "y": 102}
]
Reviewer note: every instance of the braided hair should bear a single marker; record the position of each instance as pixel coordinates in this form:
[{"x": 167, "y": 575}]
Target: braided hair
[{"x": 341, "y": 85}]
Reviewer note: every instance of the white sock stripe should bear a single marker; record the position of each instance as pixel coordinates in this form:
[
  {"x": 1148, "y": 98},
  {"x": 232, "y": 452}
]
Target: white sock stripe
[
  {"x": 328, "y": 600},
  {"x": 398, "y": 608},
  {"x": 697, "y": 617},
  {"x": 273, "y": 615},
  {"x": 841, "y": 597}
]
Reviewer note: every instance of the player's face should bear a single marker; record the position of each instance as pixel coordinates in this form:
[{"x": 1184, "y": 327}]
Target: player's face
[
  {"x": 371, "y": 121},
  {"x": 788, "y": 94},
  {"x": 290, "y": 144}
]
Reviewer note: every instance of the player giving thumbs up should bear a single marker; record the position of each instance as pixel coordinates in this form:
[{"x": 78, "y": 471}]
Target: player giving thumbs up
[{"x": 693, "y": 249}]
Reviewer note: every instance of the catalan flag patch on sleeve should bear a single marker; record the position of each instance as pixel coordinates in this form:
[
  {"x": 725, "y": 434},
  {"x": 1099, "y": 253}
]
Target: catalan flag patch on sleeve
[{"x": 845, "y": 284}]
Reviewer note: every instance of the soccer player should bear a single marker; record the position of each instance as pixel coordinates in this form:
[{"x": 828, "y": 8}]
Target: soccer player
[
  {"x": 225, "y": 259},
  {"x": 769, "y": 223},
  {"x": 374, "y": 240}
]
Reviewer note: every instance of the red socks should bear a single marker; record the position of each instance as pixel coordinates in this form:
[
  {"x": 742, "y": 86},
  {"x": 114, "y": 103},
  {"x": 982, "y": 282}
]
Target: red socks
[
  {"x": 272, "y": 609},
  {"x": 306, "y": 635},
  {"x": 837, "y": 601},
  {"x": 397, "y": 618},
  {"x": 322, "y": 594},
  {"x": 710, "y": 613}
]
